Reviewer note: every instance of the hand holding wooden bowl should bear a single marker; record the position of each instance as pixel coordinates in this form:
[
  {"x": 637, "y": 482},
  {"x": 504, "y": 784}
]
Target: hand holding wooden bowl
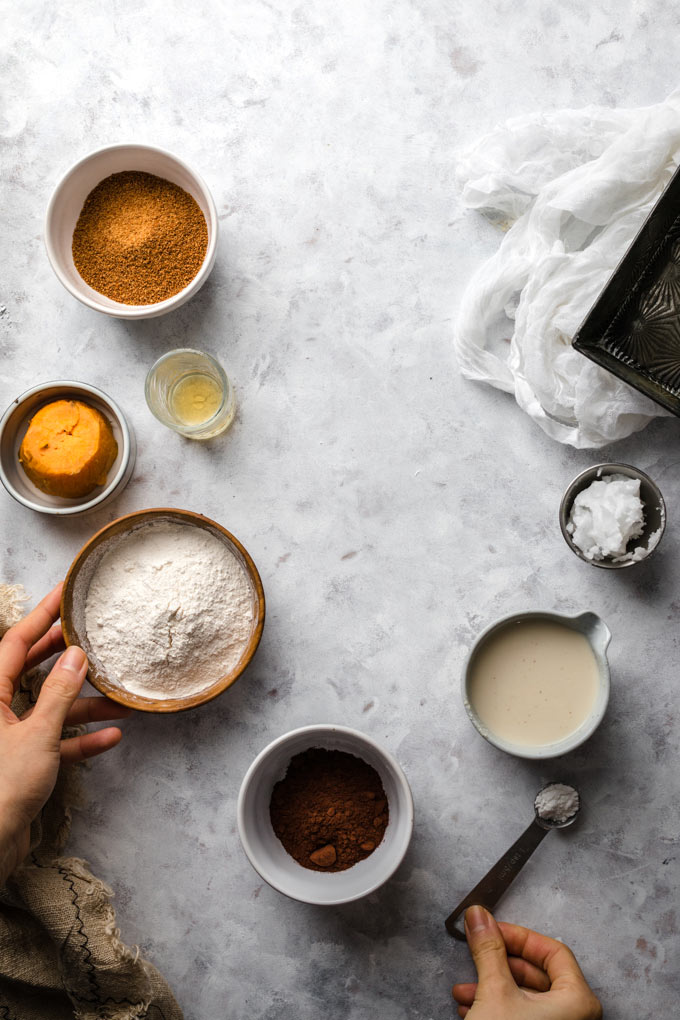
[{"x": 75, "y": 596}]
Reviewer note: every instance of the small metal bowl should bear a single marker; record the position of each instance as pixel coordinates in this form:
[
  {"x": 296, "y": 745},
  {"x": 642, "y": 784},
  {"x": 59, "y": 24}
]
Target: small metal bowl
[
  {"x": 14, "y": 424},
  {"x": 76, "y": 586},
  {"x": 652, "y": 501}
]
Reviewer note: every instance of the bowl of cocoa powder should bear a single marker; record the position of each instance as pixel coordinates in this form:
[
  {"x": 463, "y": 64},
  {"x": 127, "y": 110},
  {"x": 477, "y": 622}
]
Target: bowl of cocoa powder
[
  {"x": 325, "y": 814},
  {"x": 131, "y": 231}
]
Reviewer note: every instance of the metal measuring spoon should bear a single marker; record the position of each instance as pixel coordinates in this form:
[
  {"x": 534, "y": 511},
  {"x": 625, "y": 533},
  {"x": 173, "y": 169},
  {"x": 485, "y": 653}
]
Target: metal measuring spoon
[{"x": 488, "y": 892}]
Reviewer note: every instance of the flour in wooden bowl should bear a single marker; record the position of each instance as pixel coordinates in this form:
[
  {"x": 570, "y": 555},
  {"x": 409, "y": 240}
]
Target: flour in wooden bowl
[{"x": 169, "y": 611}]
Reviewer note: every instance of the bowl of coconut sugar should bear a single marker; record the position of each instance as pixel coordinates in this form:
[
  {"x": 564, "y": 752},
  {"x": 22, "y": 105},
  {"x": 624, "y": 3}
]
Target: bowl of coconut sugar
[{"x": 168, "y": 606}]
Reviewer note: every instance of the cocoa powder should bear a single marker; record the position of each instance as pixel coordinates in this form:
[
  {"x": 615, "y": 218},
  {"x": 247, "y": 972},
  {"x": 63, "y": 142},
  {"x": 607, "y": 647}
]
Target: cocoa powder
[
  {"x": 139, "y": 239},
  {"x": 330, "y": 810}
]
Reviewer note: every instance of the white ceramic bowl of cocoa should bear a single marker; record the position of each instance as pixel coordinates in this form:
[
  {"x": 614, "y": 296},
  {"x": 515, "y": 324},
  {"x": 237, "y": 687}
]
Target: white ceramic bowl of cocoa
[
  {"x": 68, "y": 199},
  {"x": 267, "y": 854}
]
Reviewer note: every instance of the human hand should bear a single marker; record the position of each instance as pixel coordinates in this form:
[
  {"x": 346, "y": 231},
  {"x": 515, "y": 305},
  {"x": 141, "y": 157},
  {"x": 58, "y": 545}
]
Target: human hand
[
  {"x": 521, "y": 975},
  {"x": 31, "y": 747}
]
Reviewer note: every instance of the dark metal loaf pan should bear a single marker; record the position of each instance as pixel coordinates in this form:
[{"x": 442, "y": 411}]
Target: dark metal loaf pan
[{"x": 633, "y": 329}]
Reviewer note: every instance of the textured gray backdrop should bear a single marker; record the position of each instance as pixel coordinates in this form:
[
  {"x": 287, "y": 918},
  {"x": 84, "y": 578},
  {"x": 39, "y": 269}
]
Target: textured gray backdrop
[{"x": 392, "y": 508}]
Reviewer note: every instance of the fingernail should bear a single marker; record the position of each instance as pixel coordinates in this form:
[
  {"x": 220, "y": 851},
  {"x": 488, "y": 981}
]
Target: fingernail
[
  {"x": 477, "y": 919},
  {"x": 73, "y": 659}
]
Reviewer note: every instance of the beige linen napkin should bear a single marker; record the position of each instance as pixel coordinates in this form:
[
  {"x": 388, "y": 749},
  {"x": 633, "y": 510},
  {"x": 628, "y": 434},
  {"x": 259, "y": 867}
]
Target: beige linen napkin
[{"x": 60, "y": 951}]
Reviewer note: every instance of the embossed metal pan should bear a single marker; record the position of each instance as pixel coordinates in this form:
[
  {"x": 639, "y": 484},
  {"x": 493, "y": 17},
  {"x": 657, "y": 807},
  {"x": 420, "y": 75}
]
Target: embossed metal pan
[{"x": 633, "y": 329}]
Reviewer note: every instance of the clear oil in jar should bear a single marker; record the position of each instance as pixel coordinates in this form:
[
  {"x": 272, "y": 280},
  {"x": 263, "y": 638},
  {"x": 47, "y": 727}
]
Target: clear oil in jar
[{"x": 195, "y": 398}]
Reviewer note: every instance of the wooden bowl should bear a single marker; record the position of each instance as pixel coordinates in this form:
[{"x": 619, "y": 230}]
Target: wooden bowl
[{"x": 78, "y": 580}]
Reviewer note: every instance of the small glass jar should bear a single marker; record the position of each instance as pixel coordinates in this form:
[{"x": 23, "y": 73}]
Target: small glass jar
[{"x": 189, "y": 392}]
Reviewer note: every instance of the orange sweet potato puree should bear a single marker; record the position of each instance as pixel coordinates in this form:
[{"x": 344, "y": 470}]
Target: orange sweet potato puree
[{"x": 68, "y": 449}]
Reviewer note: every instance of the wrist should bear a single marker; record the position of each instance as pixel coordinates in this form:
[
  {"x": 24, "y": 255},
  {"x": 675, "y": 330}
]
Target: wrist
[{"x": 14, "y": 842}]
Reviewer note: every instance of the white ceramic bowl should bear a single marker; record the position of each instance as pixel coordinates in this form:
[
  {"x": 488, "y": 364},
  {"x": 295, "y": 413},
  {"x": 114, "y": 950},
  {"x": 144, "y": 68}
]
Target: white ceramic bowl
[
  {"x": 13, "y": 426},
  {"x": 598, "y": 634},
  {"x": 68, "y": 199},
  {"x": 266, "y": 853}
]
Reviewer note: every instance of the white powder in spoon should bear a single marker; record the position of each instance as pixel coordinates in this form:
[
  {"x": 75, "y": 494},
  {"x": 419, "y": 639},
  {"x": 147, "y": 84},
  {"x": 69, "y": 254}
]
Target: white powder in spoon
[
  {"x": 557, "y": 802},
  {"x": 169, "y": 611}
]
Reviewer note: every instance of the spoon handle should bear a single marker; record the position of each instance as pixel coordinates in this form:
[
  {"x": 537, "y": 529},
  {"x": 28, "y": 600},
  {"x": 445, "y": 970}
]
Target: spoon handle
[{"x": 488, "y": 892}]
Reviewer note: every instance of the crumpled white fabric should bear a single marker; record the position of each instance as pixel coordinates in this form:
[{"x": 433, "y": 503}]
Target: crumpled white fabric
[{"x": 573, "y": 187}]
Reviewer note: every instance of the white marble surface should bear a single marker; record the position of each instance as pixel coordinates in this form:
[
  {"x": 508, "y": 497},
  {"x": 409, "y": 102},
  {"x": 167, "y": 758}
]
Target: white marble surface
[{"x": 392, "y": 508}]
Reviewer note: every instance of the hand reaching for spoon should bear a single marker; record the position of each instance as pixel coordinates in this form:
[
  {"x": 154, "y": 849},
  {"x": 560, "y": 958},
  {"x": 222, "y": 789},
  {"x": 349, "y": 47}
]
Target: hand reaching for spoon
[{"x": 521, "y": 975}]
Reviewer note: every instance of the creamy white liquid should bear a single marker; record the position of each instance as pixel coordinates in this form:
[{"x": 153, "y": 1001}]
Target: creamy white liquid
[{"x": 533, "y": 681}]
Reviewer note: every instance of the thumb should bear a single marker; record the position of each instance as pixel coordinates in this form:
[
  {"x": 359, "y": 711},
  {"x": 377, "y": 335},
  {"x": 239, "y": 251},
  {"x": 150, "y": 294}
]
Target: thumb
[
  {"x": 488, "y": 949},
  {"x": 60, "y": 689}
]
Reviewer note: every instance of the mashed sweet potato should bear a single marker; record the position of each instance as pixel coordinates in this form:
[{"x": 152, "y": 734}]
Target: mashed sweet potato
[{"x": 69, "y": 449}]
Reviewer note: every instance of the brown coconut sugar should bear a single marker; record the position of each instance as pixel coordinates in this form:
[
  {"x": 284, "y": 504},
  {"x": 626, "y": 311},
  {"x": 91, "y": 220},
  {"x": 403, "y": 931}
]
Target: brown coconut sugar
[
  {"x": 139, "y": 239},
  {"x": 330, "y": 810}
]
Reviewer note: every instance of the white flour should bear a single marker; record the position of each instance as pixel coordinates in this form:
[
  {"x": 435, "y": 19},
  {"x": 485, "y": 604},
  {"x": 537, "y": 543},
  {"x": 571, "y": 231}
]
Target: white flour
[
  {"x": 169, "y": 611},
  {"x": 557, "y": 802}
]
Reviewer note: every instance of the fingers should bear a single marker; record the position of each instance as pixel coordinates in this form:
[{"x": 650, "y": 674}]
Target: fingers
[
  {"x": 559, "y": 963},
  {"x": 464, "y": 994},
  {"x": 39, "y": 620},
  {"x": 88, "y": 710},
  {"x": 525, "y": 974},
  {"x": 60, "y": 690},
  {"x": 549, "y": 955},
  {"x": 19, "y": 639},
  {"x": 50, "y": 644},
  {"x": 488, "y": 949},
  {"x": 535, "y": 964},
  {"x": 90, "y": 744}
]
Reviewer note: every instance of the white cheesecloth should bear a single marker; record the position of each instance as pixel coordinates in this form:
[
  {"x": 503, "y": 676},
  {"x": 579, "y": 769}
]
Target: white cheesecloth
[{"x": 571, "y": 188}]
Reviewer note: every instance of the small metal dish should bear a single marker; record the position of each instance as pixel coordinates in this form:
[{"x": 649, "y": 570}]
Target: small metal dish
[
  {"x": 652, "y": 501},
  {"x": 76, "y": 586},
  {"x": 13, "y": 427}
]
